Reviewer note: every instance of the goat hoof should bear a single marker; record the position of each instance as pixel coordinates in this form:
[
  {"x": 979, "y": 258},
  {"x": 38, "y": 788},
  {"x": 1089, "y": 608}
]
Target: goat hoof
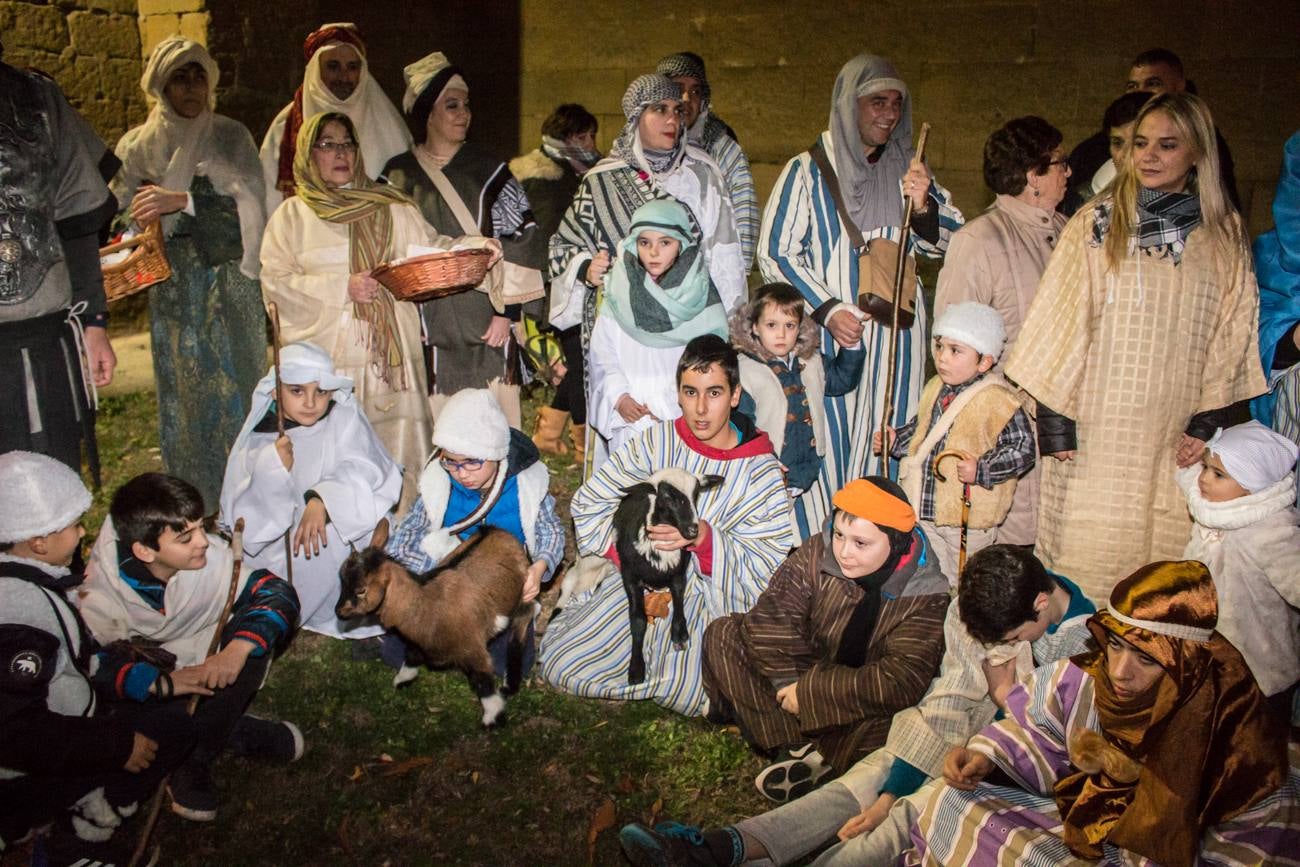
[
  {"x": 680, "y": 645},
  {"x": 405, "y": 675},
  {"x": 498, "y": 723},
  {"x": 635, "y": 677}
]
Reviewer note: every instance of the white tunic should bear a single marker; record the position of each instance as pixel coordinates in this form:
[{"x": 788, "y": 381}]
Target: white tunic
[{"x": 617, "y": 365}]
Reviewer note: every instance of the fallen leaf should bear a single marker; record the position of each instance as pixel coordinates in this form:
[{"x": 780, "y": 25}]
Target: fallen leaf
[
  {"x": 385, "y": 758},
  {"x": 473, "y": 778},
  {"x": 624, "y": 784},
  {"x": 344, "y": 842},
  {"x": 592, "y": 778},
  {"x": 602, "y": 820},
  {"x": 356, "y": 774},
  {"x": 603, "y": 722},
  {"x": 407, "y": 766},
  {"x": 655, "y": 809},
  {"x": 552, "y": 769}
]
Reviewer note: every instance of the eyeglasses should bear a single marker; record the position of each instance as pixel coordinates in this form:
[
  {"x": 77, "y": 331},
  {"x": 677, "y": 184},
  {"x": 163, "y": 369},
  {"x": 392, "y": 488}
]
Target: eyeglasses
[
  {"x": 1061, "y": 162},
  {"x": 471, "y": 466},
  {"x": 336, "y": 147}
]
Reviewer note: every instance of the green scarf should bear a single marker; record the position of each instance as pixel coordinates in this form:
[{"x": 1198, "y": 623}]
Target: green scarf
[
  {"x": 365, "y": 208},
  {"x": 683, "y": 304}
]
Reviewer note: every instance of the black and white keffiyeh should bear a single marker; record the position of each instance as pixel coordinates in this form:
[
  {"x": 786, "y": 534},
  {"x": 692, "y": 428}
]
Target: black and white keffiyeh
[
  {"x": 708, "y": 128},
  {"x": 1166, "y": 219}
]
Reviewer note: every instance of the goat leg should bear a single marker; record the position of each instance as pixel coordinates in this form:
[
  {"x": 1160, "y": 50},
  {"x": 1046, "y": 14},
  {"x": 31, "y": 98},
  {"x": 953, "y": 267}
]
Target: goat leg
[
  {"x": 484, "y": 684},
  {"x": 636, "y": 614},
  {"x": 515, "y": 646},
  {"x": 677, "y": 589}
]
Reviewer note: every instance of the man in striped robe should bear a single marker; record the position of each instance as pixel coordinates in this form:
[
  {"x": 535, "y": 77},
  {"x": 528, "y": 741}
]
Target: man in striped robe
[
  {"x": 805, "y": 242},
  {"x": 744, "y": 533}
]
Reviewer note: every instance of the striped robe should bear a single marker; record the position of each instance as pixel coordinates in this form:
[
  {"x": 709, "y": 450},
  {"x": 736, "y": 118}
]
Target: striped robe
[
  {"x": 803, "y": 242},
  {"x": 997, "y": 825},
  {"x": 740, "y": 184},
  {"x": 587, "y": 648},
  {"x": 792, "y": 635}
]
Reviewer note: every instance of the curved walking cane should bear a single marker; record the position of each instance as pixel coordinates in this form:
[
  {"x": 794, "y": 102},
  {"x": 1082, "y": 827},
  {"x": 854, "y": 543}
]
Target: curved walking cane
[
  {"x": 237, "y": 549},
  {"x": 274, "y": 313},
  {"x": 965, "y": 502},
  {"x": 887, "y": 408}
]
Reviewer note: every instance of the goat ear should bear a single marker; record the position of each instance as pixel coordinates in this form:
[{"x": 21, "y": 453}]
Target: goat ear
[
  {"x": 709, "y": 481},
  {"x": 380, "y": 536},
  {"x": 638, "y": 488}
]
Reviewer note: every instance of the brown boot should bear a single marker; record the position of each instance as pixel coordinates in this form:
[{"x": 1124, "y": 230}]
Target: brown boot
[
  {"x": 550, "y": 425},
  {"x": 578, "y": 436}
]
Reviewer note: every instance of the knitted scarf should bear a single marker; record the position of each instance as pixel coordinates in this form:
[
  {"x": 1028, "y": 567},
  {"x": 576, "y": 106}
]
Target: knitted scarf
[
  {"x": 682, "y": 304},
  {"x": 364, "y": 208},
  {"x": 1166, "y": 219}
]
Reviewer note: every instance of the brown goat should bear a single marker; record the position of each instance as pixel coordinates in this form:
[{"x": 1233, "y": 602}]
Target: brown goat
[{"x": 449, "y": 614}]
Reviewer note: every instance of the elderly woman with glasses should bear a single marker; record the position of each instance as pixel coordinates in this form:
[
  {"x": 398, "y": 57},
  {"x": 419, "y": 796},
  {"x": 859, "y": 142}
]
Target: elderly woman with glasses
[
  {"x": 317, "y": 255},
  {"x": 998, "y": 257}
]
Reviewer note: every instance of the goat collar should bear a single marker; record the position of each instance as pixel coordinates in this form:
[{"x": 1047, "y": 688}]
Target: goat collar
[{"x": 753, "y": 442}]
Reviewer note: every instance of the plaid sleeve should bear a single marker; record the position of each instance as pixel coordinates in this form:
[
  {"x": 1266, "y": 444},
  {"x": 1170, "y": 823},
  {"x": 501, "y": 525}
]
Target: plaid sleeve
[
  {"x": 265, "y": 613},
  {"x": 404, "y": 545},
  {"x": 1011, "y": 456},
  {"x": 549, "y": 537}
]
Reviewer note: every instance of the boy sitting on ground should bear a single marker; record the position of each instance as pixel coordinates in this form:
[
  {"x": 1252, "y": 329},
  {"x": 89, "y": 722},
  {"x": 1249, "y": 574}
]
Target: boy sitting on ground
[
  {"x": 67, "y": 755},
  {"x": 1007, "y": 599},
  {"x": 974, "y": 411},
  {"x": 156, "y": 579}
]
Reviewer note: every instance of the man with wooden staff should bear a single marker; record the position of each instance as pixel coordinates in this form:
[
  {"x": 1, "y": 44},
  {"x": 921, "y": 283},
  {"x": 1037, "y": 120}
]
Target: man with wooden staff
[{"x": 831, "y": 228}]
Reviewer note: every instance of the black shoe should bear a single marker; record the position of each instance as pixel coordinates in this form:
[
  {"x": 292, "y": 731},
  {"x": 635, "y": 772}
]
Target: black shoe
[
  {"x": 65, "y": 849},
  {"x": 194, "y": 796},
  {"x": 257, "y": 738},
  {"x": 795, "y": 773},
  {"x": 669, "y": 844}
]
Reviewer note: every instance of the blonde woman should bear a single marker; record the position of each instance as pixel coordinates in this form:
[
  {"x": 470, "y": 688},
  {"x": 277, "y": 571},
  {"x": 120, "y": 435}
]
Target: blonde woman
[{"x": 1143, "y": 330}]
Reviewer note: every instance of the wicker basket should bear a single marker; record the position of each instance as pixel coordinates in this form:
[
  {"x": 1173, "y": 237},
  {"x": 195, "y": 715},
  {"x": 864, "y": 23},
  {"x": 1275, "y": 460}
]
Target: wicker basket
[
  {"x": 434, "y": 275},
  {"x": 145, "y": 266}
]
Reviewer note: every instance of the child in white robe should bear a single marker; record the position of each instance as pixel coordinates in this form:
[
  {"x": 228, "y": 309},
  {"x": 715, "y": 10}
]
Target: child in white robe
[{"x": 328, "y": 479}]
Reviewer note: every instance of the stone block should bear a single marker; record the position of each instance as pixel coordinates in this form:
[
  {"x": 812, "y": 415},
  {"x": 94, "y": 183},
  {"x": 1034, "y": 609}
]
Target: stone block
[
  {"x": 170, "y": 7},
  {"x": 123, "y": 7},
  {"x": 34, "y": 27},
  {"x": 121, "y": 79},
  {"x": 104, "y": 35},
  {"x": 156, "y": 28},
  {"x": 194, "y": 25}
]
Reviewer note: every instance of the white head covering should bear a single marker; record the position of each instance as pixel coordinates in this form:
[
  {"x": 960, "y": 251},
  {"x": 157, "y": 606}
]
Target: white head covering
[
  {"x": 977, "y": 325},
  {"x": 471, "y": 423},
  {"x": 38, "y": 495},
  {"x": 871, "y": 191},
  {"x": 169, "y": 150},
  {"x": 1256, "y": 456},
  {"x": 421, "y": 72},
  {"x": 380, "y": 127}
]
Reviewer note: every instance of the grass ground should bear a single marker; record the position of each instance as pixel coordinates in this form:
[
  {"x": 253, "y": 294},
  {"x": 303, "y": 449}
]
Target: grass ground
[{"x": 408, "y": 778}]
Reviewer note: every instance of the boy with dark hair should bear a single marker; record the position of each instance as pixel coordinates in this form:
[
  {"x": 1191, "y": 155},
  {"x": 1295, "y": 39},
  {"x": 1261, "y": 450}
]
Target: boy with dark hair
[
  {"x": 871, "y": 807},
  {"x": 67, "y": 755},
  {"x": 157, "y": 579},
  {"x": 744, "y": 533}
]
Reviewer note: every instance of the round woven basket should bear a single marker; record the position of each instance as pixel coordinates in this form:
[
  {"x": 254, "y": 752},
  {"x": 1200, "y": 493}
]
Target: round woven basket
[
  {"x": 146, "y": 265},
  {"x": 434, "y": 275}
]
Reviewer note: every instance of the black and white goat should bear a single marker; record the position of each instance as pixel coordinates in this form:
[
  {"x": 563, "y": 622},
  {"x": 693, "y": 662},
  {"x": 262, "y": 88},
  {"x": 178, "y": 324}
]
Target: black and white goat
[
  {"x": 666, "y": 497},
  {"x": 448, "y": 615}
]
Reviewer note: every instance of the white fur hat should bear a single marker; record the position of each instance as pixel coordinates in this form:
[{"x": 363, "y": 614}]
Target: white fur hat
[
  {"x": 38, "y": 495},
  {"x": 977, "y": 325},
  {"x": 1256, "y": 456},
  {"x": 471, "y": 423}
]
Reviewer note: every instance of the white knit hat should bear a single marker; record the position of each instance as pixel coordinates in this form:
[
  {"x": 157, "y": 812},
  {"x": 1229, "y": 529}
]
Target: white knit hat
[
  {"x": 471, "y": 423},
  {"x": 38, "y": 495},
  {"x": 977, "y": 325},
  {"x": 1255, "y": 455}
]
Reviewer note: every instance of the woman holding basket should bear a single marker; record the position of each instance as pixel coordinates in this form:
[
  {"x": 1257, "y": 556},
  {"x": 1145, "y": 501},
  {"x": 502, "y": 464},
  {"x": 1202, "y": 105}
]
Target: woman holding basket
[{"x": 317, "y": 256}]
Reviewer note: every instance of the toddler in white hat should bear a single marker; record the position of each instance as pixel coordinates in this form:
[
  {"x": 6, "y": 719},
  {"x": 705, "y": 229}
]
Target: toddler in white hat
[
  {"x": 1246, "y": 529},
  {"x": 970, "y": 420}
]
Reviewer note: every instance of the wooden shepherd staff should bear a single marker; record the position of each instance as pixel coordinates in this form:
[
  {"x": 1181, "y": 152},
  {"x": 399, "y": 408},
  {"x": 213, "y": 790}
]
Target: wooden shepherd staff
[
  {"x": 965, "y": 501},
  {"x": 274, "y": 313},
  {"x": 887, "y": 409},
  {"x": 237, "y": 551}
]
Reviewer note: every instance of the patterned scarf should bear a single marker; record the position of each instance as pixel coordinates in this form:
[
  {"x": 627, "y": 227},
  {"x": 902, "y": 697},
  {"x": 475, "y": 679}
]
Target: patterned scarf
[
  {"x": 562, "y": 151},
  {"x": 1166, "y": 219},
  {"x": 365, "y": 209},
  {"x": 682, "y": 304}
]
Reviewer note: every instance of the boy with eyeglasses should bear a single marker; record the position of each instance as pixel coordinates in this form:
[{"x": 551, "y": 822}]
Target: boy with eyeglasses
[{"x": 484, "y": 473}]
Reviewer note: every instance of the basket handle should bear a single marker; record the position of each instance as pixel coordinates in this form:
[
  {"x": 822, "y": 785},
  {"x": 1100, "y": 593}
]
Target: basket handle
[{"x": 150, "y": 233}]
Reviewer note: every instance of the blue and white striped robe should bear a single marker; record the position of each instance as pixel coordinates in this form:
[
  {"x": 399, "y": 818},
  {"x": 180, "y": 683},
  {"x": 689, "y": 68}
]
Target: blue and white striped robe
[
  {"x": 587, "y": 649},
  {"x": 802, "y": 242}
]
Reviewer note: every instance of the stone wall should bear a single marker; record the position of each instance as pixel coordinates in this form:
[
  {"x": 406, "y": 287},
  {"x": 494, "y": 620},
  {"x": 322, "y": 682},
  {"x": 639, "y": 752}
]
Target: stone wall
[
  {"x": 91, "y": 47},
  {"x": 971, "y": 64}
]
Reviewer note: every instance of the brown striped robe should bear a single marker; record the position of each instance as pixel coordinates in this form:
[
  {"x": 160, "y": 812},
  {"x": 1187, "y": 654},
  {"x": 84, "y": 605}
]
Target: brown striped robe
[{"x": 793, "y": 634}]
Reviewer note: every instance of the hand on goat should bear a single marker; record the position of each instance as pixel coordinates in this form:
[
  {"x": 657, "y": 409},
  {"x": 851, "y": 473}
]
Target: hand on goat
[
  {"x": 533, "y": 580},
  {"x": 311, "y": 535},
  {"x": 788, "y": 696},
  {"x": 666, "y": 537}
]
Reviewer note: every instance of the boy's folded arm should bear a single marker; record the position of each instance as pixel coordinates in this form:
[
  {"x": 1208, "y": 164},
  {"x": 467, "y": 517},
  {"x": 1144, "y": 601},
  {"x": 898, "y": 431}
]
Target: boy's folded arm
[
  {"x": 1012, "y": 454},
  {"x": 265, "y": 613}
]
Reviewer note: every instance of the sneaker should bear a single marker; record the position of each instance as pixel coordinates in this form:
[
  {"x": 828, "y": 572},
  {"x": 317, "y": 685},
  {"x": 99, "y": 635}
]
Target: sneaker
[
  {"x": 669, "y": 844},
  {"x": 65, "y": 849},
  {"x": 795, "y": 773},
  {"x": 257, "y": 738},
  {"x": 193, "y": 794}
]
